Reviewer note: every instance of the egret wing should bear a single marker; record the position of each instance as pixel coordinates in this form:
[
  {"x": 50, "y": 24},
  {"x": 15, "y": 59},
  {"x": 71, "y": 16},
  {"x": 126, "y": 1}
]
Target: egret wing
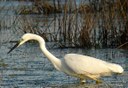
[{"x": 81, "y": 64}]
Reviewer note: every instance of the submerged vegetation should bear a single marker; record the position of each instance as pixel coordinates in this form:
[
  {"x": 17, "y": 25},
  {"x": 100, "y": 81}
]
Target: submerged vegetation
[{"x": 76, "y": 23}]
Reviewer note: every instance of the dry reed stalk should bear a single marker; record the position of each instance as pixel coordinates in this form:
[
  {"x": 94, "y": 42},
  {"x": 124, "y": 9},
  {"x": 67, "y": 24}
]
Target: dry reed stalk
[{"x": 101, "y": 23}]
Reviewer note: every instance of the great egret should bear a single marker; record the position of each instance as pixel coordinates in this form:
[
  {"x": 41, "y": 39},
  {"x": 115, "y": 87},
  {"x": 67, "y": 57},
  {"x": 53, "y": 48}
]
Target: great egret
[{"x": 76, "y": 65}]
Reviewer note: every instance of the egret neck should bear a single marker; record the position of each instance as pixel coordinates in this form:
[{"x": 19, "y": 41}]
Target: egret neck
[{"x": 55, "y": 61}]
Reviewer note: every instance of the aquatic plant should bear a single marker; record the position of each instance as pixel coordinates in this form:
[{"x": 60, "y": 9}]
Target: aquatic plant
[{"x": 92, "y": 23}]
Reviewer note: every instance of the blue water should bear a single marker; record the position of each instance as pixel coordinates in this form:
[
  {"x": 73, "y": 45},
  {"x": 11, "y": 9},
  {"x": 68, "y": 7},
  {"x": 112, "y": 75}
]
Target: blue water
[{"x": 26, "y": 66}]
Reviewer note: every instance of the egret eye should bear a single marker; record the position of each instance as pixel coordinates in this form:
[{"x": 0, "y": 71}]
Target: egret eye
[{"x": 21, "y": 39}]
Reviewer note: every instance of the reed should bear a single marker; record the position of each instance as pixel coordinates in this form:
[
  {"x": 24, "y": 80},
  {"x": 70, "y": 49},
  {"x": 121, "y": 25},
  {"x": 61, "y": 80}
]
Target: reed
[{"x": 98, "y": 23}]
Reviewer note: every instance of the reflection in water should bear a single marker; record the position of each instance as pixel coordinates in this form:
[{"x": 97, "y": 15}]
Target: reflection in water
[{"x": 27, "y": 67}]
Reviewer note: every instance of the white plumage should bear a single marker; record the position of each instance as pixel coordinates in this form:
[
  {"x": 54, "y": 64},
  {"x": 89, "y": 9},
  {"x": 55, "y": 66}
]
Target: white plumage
[
  {"x": 91, "y": 67},
  {"x": 76, "y": 65}
]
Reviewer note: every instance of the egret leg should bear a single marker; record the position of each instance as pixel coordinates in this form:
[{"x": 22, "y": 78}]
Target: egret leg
[
  {"x": 98, "y": 81},
  {"x": 82, "y": 81}
]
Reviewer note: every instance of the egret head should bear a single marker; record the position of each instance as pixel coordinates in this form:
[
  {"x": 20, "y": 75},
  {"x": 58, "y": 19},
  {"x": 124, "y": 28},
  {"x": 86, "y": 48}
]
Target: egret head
[{"x": 26, "y": 37}]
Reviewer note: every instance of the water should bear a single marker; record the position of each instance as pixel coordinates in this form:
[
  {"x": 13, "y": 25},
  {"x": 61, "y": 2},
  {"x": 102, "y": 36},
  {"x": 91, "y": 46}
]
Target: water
[{"x": 27, "y": 67}]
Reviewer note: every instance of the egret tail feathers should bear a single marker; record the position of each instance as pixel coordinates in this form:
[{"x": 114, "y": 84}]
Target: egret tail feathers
[{"x": 115, "y": 68}]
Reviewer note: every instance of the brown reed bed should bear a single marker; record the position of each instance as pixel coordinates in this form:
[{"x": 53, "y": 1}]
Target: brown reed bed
[{"x": 98, "y": 23}]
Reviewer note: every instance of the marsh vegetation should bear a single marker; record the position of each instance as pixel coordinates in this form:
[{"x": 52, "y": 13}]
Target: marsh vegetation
[{"x": 69, "y": 24}]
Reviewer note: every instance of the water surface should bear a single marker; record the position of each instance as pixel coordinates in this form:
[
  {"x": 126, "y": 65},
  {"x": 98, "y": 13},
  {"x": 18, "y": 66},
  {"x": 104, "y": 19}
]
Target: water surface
[{"x": 26, "y": 66}]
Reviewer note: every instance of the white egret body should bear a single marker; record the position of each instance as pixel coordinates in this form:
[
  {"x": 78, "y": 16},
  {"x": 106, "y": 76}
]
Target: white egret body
[{"x": 76, "y": 65}]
